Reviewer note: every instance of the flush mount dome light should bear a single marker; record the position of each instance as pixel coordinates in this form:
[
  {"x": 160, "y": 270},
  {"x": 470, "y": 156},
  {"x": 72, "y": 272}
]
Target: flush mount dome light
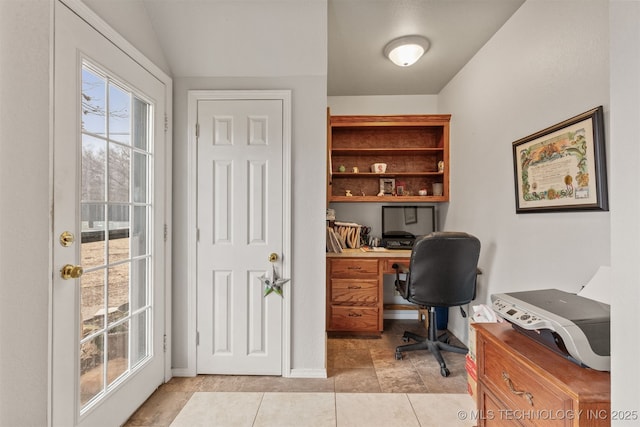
[{"x": 405, "y": 51}]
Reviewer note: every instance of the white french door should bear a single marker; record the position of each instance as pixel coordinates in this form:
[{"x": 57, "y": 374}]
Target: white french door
[{"x": 108, "y": 229}]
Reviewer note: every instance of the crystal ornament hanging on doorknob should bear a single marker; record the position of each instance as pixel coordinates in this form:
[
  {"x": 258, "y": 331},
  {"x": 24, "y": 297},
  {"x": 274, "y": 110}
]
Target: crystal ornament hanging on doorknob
[{"x": 273, "y": 283}]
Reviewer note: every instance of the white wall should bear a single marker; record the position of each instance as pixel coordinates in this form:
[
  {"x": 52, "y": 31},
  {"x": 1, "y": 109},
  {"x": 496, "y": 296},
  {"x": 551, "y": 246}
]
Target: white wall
[
  {"x": 24, "y": 211},
  {"x": 130, "y": 20},
  {"x": 383, "y": 104},
  {"x": 309, "y": 90},
  {"x": 549, "y": 62},
  {"x": 625, "y": 204}
]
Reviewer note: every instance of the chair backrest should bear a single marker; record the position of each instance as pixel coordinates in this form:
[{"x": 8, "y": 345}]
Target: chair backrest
[{"x": 443, "y": 269}]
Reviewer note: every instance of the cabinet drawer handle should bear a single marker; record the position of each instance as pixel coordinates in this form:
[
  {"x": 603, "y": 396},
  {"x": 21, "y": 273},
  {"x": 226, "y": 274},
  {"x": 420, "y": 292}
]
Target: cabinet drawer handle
[
  {"x": 526, "y": 394},
  {"x": 355, "y": 315},
  {"x": 354, "y": 287},
  {"x": 354, "y": 267}
]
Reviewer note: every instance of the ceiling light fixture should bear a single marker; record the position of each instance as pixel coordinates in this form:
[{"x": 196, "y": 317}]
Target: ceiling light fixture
[{"x": 405, "y": 51}]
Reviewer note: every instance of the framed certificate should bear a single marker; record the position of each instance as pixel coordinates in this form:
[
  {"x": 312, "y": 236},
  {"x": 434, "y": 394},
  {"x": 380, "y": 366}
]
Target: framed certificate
[{"x": 562, "y": 167}]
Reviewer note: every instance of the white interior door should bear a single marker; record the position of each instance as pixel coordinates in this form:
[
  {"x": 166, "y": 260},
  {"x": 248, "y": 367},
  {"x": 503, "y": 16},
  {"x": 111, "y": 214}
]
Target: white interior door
[
  {"x": 108, "y": 242},
  {"x": 240, "y": 211}
]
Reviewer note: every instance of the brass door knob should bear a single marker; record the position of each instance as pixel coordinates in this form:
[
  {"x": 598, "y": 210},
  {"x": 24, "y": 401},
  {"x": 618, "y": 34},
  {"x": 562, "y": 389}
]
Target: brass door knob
[
  {"x": 273, "y": 257},
  {"x": 67, "y": 238},
  {"x": 71, "y": 271}
]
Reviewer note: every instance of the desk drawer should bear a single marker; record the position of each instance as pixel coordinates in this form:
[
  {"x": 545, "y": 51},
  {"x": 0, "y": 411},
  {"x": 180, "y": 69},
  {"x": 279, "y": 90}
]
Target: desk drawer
[
  {"x": 354, "y": 291},
  {"x": 492, "y": 413},
  {"x": 388, "y": 264},
  {"x": 519, "y": 388},
  {"x": 355, "y": 319},
  {"x": 354, "y": 267}
]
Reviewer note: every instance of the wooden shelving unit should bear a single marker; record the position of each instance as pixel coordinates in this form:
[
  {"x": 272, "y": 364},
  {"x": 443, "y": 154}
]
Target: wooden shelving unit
[{"x": 410, "y": 145}]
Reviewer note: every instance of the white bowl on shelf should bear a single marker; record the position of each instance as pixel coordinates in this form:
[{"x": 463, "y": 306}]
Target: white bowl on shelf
[{"x": 379, "y": 167}]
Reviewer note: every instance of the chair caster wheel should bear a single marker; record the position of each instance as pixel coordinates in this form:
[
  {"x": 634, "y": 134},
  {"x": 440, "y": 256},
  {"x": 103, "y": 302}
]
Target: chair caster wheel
[
  {"x": 398, "y": 355},
  {"x": 444, "y": 372}
]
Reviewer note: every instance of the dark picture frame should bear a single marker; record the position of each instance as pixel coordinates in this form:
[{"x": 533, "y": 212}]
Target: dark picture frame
[{"x": 562, "y": 167}]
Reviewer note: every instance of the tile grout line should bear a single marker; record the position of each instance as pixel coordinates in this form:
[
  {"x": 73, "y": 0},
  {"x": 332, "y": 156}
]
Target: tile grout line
[
  {"x": 255, "y": 417},
  {"x": 422, "y": 379},
  {"x": 414, "y": 410}
]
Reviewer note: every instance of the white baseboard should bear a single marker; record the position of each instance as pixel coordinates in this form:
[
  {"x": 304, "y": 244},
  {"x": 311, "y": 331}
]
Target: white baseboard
[
  {"x": 308, "y": 373},
  {"x": 401, "y": 314},
  {"x": 183, "y": 372}
]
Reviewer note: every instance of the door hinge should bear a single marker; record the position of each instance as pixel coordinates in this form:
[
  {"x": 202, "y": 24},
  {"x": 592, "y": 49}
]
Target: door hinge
[
  {"x": 166, "y": 232},
  {"x": 197, "y": 234},
  {"x": 164, "y": 343},
  {"x": 197, "y": 130},
  {"x": 197, "y": 338},
  {"x": 166, "y": 123}
]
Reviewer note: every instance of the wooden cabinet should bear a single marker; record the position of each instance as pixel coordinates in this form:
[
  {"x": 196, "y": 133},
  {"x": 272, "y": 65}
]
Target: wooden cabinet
[
  {"x": 522, "y": 383},
  {"x": 415, "y": 149},
  {"x": 354, "y": 295}
]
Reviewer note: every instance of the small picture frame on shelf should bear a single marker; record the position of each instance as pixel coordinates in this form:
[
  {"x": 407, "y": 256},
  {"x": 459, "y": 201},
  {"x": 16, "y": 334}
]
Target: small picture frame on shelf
[
  {"x": 400, "y": 190},
  {"x": 387, "y": 186}
]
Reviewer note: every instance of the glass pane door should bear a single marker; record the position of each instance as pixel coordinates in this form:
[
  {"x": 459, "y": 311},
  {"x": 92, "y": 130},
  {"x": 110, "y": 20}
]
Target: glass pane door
[{"x": 115, "y": 223}]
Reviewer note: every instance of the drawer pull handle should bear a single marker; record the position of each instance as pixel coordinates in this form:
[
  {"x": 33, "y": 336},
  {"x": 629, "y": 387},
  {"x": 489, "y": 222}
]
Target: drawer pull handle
[
  {"x": 355, "y": 267},
  {"x": 526, "y": 394},
  {"x": 355, "y": 315},
  {"x": 355, "y": 287}
]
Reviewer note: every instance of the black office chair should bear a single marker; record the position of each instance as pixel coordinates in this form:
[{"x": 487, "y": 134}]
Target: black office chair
[{"x": 442, "y": 273}]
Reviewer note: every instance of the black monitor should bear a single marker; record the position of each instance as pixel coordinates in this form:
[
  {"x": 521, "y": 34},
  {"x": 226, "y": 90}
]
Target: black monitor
[{"x": 406, "y": 223}]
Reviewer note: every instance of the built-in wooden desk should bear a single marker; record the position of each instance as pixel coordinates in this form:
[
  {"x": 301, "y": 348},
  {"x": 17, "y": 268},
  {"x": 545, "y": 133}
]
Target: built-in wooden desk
[{"x": 354, "y": 288}]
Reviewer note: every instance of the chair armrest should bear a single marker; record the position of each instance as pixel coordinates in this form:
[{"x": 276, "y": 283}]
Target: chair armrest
[{"x": 401, "y": 285}]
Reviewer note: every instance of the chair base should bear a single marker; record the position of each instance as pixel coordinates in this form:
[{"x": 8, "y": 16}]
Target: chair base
[{"x": 434, "y": 344}]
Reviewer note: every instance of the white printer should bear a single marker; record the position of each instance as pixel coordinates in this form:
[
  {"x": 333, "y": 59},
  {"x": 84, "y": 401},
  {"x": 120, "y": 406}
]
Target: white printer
[{"x": 571, "y": 325}]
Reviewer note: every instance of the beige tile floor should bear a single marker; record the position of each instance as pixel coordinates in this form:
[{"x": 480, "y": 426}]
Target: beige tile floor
[
  {"x": 256, "y": 409},
  {"x": 362, "y": 374}
]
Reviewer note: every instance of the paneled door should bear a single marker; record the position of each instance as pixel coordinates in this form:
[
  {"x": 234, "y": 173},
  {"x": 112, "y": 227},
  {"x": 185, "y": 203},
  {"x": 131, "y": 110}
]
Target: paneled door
[
  {"x": 241, "y": 195},
  {"x": 108, "y": 239}
]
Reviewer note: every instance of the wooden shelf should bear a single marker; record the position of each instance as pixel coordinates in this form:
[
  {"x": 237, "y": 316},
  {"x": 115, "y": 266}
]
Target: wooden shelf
[
  {"x": 412, "y": 146},
  {"x": 382, "y": 175},
  {"x": 389, "y": 199},
  {"x": 384, "y": 151},
  {"x": 395, "y": 120}
]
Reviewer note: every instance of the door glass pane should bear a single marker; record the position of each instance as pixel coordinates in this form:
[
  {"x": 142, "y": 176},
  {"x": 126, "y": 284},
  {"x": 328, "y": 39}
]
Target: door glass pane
[
  {"x": 119, "y": 172},
  {"x": 91, "y": 369},
  {"x": 139, "y": 245},
  {"x": 139, "y": 177},
  {"x": 92, "y": 249},
  {"x": 118, "y": 291},
  {"x": 116, "y": 241},
  {"x": 119, "y": 115},
  {"x": 118, "y": 350},
  {"x": 141, "y": 111},
  {"x": 93, "y": 302},
  {"x": 138, "y": 290},
  {"x": 93, "y": 102},
  {"x": 118, "y": 232},
  {"x": 139, "y": 347},
  {"x": 93, "y": 168}
]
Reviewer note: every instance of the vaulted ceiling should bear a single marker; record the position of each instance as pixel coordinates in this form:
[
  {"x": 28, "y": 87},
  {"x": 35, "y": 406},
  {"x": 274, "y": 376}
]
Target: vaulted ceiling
[{"x": 358, "y": 30}]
